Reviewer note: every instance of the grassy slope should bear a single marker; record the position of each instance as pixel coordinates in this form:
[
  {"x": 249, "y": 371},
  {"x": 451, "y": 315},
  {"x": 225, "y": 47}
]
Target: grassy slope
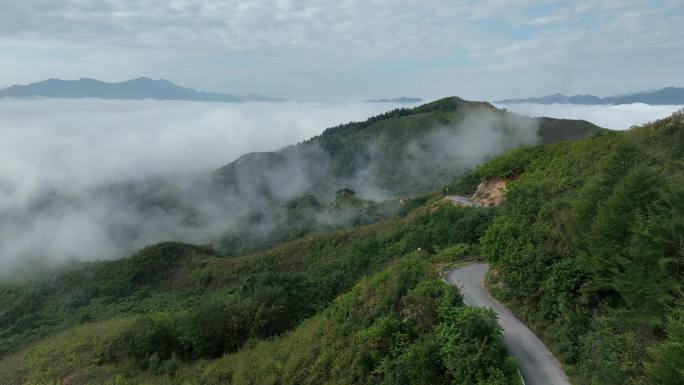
[
  {"x": 398, "y": 326},
  {"x": 167, "y": 297}
]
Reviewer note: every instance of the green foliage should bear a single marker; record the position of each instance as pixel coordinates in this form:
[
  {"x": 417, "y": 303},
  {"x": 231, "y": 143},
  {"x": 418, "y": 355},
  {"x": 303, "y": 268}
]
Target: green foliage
[
  {"x": 382, "y": 332},
  {"x": 588, "y": 247},
  {"x": 667, "y": 367},
  {"x": 455, "y": 253},
  {"x": 509, "y": 165},
  {"x": 512, "y": 163},
  {"x": 184, "y": 304},
  {"x": 447, "y": 226},
  {"x": 472, "y": 348},
  {"x": 413, "y": 203},
  {"x": 390, "y": 328},
  {"x": 326, "y": 309}
]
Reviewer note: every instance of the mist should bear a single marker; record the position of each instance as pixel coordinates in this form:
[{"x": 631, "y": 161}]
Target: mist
[
  {"x": 73, "y": 172},
  {"x": 90, "y": 142},
  {"x": 614, "y": 117},
  {"x": 84, "y": 180}
]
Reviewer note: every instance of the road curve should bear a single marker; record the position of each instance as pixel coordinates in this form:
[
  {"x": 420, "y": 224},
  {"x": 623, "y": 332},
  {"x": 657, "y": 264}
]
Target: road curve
[{"x": 537, "y": 364}]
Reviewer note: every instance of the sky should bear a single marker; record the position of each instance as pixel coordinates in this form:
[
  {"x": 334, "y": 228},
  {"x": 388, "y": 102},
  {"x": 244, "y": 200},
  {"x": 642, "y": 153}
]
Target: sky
[{"x": 341, "y": 50}]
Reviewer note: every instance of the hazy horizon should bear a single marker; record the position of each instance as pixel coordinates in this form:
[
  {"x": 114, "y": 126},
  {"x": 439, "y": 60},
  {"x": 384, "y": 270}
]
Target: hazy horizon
[{"x": 336, "y": 51}]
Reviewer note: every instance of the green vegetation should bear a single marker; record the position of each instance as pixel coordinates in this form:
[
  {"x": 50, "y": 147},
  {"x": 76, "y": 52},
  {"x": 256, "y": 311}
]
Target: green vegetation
[
  {"x": 588, "y": 249},
  {"x": 172, "y": 305},
  {"x": 400, "y": 326},
  {"x": 401, "y": 152}
]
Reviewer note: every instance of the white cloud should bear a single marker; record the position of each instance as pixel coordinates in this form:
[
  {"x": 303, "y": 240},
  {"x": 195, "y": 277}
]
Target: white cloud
[
  {"x": 327, "y": 30},
  {"x": 323, "y": 49},
  {"x": 56, "y": 155},
  {"x": 619, "y": 117},
  {"x": 81, "y": 143},
  {"x": 70, "y": 130}
]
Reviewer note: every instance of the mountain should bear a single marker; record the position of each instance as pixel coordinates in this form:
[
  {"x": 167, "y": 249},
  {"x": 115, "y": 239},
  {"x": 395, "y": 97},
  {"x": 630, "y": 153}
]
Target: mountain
[
  {"x": 401, "y": 100},
  {"x": 401, "y": 152},
  {"x": 351, "y": 174},
  {"x": 665, "y": 96},
  {"x": 135, "y": 89},
  {"x": 345, "y": 293},
  {"x": 586, "y": 249}
]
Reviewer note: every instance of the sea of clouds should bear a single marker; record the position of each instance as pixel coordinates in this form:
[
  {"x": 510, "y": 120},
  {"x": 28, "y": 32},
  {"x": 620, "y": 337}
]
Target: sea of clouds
[
  {"x": 617, "y": 117},
  {"x": 55, "y": 154}
]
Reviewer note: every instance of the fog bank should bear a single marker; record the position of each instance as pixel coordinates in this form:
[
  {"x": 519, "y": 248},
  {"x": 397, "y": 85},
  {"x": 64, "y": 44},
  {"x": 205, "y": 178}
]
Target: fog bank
[
  {"x": 92, "y": 179},
  {"x": 618, "y": 117},
  {"x": 57, "y": 158},
  {"x": 77, "y": 142}
]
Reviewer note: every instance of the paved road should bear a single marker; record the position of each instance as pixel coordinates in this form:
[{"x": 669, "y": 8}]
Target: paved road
[
  {"x": 537, "y": 365},
  {"x": 462, "y": 201}
]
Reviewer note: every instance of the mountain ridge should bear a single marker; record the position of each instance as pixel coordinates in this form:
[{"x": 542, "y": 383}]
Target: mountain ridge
[
  {"x": 134, "y": 89},
  {"x": 663, "y": 96},
  {"x": 368, "y": 299},
  {"x": 351, "y": 149},
  {"x": 399, "y": 100}
]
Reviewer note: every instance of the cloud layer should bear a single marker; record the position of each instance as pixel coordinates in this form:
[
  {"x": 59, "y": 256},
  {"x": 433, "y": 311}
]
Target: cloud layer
[
  {"x": 92, "y": 179},
  {"x": 57, "y": 156},
  {"x": 330, "y": 49},
  {"x": 84, "y": 143},
  {"x": 620, "y": 117}
]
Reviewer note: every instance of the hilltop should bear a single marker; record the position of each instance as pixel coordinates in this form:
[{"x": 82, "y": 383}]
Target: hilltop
[
  {"x": 586, "y": 248},
  {"x": 404, "y": 151},
  {"x": 351, "y": 174},
  {"x": 393, "y": 155}
]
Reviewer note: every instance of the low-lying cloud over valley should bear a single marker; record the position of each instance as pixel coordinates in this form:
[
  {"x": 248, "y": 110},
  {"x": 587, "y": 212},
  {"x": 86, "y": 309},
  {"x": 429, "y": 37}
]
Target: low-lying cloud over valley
[
  {"x": 617, "y": 117},
  {"x": 56, "y": 156},
  {"x": 93, "y": 179}
]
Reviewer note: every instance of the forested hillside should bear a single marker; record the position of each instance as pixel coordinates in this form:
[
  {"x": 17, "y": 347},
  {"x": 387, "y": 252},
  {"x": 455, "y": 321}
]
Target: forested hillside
[
  {"x": 403, "y": 151},
  {"x": 174, "y": 306},
  {"x": 396, "y": 154},
  {"x": 589, "y": 248},
  {"x": 350, "y": 175}
]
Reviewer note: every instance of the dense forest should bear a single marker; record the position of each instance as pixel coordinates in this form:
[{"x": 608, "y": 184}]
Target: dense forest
[
  {"x": 588, "y": 249},
  {"x": 171, "y": 307}
]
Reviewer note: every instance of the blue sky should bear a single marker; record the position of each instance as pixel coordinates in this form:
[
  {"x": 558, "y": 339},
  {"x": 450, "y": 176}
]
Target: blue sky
[{"x": 349, "y": 49}]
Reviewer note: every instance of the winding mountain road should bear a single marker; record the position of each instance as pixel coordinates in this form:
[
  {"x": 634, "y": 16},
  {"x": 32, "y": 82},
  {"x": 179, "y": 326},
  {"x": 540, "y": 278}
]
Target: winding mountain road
[
  {"x": 462, "y": 201},
  {"x": 537, "y": 364}
]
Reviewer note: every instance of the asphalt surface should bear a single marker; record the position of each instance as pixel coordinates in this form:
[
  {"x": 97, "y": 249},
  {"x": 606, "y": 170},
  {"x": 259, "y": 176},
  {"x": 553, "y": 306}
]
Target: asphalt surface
[
  {"x": 462, "y": 201},
  {"x": 537, "y": 364}
]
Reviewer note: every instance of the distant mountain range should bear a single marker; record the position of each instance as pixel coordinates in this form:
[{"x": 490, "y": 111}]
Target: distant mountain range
[
  {"x": 135, "y": 89},
  {"x": 665, "y": 96},
  {"x": 402, "y": 100}
]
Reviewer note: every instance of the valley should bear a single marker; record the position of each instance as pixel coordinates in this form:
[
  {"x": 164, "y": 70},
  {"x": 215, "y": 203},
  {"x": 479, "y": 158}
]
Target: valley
[
  {"x": 280, "y": 192},
  {"x": 361, "y": 301}
]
